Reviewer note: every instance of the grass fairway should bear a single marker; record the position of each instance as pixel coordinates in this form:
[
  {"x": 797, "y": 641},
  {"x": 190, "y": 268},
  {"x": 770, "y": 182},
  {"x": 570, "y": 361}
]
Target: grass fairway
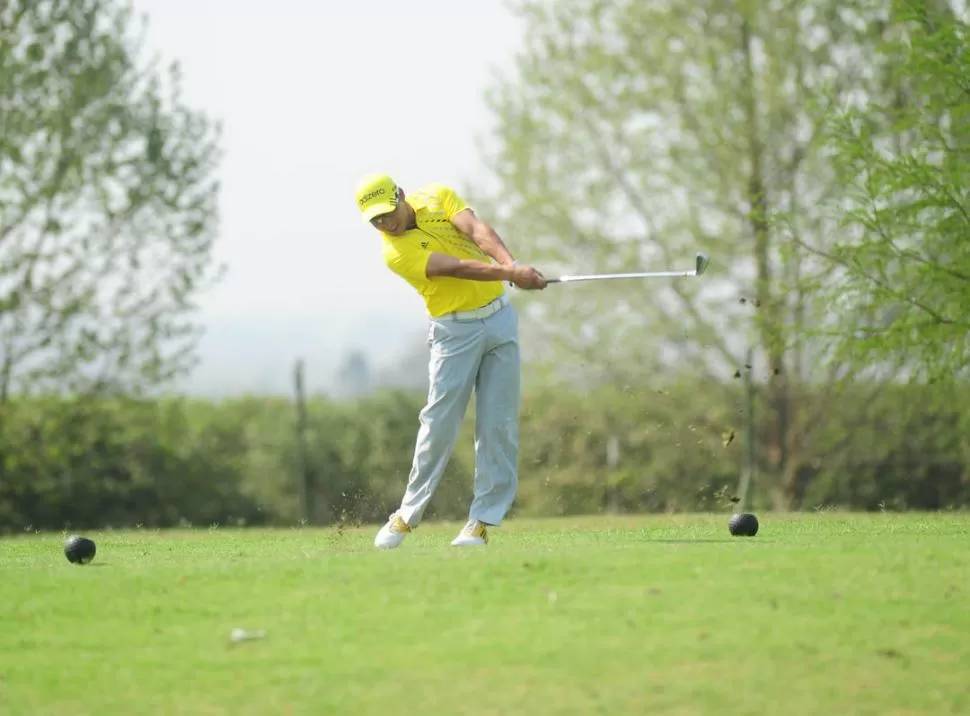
[{"x": 637, "y": 615}]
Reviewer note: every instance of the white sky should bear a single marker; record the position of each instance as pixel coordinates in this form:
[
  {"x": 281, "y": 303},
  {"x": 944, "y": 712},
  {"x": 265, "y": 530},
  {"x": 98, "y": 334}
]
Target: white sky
[{"x": 313, "y": 94}]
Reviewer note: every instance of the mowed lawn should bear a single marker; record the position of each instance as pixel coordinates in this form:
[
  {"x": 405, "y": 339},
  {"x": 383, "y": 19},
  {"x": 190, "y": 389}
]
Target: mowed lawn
[{"x": 819, "y": 613}]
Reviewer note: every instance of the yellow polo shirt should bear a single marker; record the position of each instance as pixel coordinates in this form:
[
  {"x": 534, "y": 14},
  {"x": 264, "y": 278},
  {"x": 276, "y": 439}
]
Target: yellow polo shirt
[{"x": 407, "y": 255}]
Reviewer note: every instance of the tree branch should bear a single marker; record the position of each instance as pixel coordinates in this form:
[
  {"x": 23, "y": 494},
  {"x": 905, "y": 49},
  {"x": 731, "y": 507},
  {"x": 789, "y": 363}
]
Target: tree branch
[
  {"x": 858, "y": 270},
  {"x": 635, "y": 200}
]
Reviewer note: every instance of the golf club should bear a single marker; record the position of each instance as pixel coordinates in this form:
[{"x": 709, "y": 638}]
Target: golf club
[{"x": 700, "y": 265}]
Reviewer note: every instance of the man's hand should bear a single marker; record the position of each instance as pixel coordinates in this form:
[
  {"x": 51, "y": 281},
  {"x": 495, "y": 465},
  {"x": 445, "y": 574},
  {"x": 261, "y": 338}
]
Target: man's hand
[{"x": 527, "y": 277}]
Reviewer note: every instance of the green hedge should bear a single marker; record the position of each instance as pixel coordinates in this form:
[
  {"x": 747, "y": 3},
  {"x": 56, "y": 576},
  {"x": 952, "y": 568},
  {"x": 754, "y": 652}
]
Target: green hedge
[{"x": 68, "y": 464}]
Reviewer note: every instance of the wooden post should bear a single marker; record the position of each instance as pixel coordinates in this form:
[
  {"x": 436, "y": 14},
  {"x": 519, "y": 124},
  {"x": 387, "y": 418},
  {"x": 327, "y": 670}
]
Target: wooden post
[
  {"x": 613, "y": 461},
  {"x": 748, "y": 469},
  {"x": 304, "y": 474}
]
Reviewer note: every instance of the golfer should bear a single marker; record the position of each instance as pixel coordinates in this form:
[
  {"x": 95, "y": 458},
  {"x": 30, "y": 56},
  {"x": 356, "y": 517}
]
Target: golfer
[{"x": 434, "y": 241}]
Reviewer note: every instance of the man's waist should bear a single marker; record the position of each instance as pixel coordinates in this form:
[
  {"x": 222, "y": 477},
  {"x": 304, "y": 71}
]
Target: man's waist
[{"x": 493, "y": 306}]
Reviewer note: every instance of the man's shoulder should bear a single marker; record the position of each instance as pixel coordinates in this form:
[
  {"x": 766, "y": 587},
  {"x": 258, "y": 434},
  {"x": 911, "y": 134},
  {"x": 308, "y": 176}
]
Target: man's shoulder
[
  {"x": 393, "y": 256},
  {"x": 432, "y": 193},
  {"x": 437, "y": 200},
  {"x": 390, "y": 248}
]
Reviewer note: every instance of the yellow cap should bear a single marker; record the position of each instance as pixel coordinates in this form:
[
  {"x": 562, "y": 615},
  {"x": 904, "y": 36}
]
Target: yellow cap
[{"x": 376, "y": 194}]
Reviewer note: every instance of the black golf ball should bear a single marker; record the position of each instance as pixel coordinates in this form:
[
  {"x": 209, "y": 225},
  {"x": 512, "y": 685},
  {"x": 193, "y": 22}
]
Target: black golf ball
[
  {"x": 743, "y": 524},
  {"x": 79, "y": 550}
]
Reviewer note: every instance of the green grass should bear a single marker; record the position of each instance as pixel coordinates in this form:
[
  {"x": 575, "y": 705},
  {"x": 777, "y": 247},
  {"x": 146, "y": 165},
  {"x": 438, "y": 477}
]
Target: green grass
[{"x": 638, "y": 615}]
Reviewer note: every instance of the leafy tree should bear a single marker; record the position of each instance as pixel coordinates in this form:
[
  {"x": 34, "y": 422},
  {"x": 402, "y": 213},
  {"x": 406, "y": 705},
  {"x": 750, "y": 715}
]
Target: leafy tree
[
  {"x": 107, "y": 203},
  {"x": 353, "y": 376},
  {"x": 903, "y": 165},
  {"x": 634, "y": 134}
]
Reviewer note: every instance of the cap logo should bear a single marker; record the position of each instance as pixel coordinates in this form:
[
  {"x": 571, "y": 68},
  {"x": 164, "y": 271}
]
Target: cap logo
[{"x": 373, "y": 195}]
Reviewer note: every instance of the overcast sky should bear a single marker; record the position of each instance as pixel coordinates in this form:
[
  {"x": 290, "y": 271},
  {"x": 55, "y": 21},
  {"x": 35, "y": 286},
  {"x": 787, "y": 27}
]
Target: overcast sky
[{"x": 312, "y": 96}]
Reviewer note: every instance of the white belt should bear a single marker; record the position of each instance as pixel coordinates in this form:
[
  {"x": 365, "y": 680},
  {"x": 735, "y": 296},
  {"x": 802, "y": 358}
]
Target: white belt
[{"x": 477, "y": 313}]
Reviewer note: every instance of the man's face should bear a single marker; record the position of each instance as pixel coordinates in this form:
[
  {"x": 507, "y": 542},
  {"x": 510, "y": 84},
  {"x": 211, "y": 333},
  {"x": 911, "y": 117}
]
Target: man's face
[{"x": 395, "y": 222}]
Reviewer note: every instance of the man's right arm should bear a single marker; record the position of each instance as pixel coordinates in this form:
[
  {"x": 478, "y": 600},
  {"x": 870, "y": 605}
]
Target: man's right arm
[{"x": 446, "y": 265}]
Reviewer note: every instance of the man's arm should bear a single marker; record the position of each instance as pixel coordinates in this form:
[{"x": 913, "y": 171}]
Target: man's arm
[
  {"x": 484, "y": 235},
  {"x": 447, "y": 265}
]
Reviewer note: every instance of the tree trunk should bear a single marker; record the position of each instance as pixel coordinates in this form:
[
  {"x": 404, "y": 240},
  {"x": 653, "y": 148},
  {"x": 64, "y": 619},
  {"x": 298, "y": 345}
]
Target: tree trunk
[{"x": 770, "y": 309}]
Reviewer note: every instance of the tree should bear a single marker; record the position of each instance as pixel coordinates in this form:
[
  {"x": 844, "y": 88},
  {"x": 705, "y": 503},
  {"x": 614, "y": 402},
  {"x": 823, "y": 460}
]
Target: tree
[
  {"x": 407, "y": 369},
  {"x": 353, "y": 377},
  {"x": 903, "y": 165},
  {"x": 637, "y": 133},
  {"x": 108, "y": 204}
]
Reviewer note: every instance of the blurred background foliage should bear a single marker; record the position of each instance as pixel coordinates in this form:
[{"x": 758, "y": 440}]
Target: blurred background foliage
[{"x": 817, "y": 150}]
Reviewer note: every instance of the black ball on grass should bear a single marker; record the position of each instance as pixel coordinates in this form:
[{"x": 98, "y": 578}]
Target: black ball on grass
[
  {"x": 743, "y": 524},
  {"x": 79, "y": 550}
]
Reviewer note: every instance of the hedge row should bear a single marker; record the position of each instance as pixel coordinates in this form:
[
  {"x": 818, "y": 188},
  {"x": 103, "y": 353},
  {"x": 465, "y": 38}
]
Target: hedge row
[{"x": 67, "y": 464}]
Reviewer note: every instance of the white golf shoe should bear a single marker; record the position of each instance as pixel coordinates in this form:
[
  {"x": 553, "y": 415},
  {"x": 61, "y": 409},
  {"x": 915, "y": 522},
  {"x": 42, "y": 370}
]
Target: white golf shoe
[
  {"x": 474, "y": 533},
  {"x": 392, "y": 533}
]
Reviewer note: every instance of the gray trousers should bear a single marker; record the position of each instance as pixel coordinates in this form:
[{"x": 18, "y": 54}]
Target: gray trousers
[{"x": 480, "y": 354}]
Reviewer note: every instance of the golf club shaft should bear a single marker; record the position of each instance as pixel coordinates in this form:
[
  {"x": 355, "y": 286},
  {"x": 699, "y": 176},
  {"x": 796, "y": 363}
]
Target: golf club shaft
[
  {"x": 701, "y": 261},
  {"x": 611, "y": 276}
]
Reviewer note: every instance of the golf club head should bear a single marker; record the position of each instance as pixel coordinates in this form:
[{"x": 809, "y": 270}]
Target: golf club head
[{"x": 702, "y": 261}]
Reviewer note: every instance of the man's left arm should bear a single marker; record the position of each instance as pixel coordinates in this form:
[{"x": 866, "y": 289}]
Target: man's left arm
[{"x": 483, "y": 235}]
